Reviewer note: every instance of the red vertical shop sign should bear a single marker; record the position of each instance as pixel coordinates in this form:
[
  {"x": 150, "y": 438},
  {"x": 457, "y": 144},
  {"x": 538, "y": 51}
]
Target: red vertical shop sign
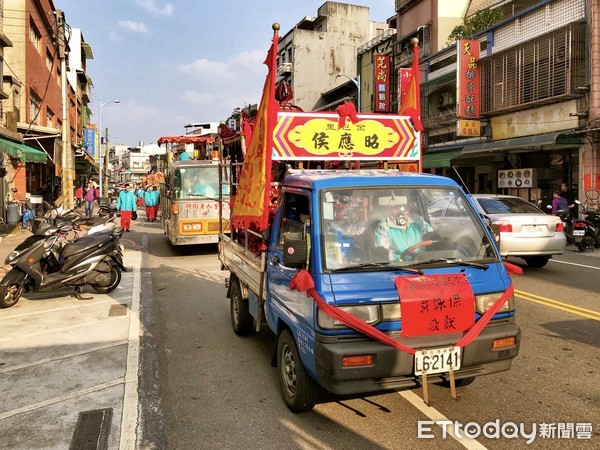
[
  {"x": 382, "y": 83},
  {"x": 469, "y": 80}
]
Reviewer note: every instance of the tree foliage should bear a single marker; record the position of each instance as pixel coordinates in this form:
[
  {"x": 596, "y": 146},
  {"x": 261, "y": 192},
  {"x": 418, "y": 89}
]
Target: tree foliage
[{"x": 472, "y": 25}]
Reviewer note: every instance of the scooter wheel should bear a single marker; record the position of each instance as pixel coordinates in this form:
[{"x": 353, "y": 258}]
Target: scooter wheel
[
  {"x": 581, "y": 246},
  {"x": 10, "y": 295},
  {"x": 115, "y": 279}
]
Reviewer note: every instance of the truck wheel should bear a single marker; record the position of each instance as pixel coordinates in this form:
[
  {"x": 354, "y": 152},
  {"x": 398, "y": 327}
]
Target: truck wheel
[
  {"x": 537, "y": 261},
  {"x": 241, "y": 319},
  {"x": 298, "y": 389}
]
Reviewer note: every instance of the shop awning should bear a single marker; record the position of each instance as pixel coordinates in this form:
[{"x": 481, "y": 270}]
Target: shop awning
[
  {"x": 22, "y": 151},
  {"x": 441, "y": 159},
  {"x": 527, "y": 141}
]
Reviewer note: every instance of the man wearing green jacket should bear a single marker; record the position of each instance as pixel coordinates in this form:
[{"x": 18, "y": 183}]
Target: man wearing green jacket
[
  {"x": 126, "y": 204},
  {"x": 151, "y": 200}
]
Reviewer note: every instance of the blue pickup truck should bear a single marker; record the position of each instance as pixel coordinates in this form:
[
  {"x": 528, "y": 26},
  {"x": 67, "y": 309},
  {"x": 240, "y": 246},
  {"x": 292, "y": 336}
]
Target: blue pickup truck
[{"x": 369, "y": 240}]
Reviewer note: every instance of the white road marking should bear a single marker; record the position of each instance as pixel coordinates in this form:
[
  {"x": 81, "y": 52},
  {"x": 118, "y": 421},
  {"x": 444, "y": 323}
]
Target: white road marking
[
  {"x": 575, "y": 264},
  {"x": 435, "y": 415},
  {"x": 129, "y": 418}
]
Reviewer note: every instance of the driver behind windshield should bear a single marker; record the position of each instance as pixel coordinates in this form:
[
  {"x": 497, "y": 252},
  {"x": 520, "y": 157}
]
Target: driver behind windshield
[{"x": 400, "y": 231}]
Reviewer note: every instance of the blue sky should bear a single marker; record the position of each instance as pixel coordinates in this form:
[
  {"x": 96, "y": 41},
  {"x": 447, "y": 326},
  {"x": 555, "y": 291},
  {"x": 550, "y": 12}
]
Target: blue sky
[{"x": 183, "y": 61}]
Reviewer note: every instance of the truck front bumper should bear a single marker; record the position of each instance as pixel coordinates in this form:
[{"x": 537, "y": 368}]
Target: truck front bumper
[{"x": 393, "y": 369}]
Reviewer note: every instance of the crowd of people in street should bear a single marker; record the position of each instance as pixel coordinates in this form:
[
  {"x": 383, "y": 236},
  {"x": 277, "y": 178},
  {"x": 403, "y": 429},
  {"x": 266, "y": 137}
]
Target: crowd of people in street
[{"x": 128, "y": 200}]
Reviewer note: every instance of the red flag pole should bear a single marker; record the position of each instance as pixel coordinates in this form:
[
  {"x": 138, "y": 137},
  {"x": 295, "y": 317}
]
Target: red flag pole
[
  {"x": 251, "y": 206},
  {"x": 417, "y": 84}
]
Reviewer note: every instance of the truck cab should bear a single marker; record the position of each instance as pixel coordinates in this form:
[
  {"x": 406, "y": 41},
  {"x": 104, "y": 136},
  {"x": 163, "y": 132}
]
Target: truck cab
[{"x": 357, "y": 233}]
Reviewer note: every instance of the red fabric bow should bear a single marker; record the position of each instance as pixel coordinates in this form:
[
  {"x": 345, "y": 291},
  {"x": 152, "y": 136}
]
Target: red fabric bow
[{"x": 346, "y": 111}]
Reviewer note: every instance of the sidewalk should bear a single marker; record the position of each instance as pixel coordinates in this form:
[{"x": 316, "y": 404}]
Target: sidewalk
[{"x": 62, "y": 358}]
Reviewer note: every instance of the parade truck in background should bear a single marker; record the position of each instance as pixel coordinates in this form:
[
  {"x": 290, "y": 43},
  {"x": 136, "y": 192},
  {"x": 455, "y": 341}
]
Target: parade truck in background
[
  {"x": 194, "y": 207},
  {"x": 370, "y": 280}
]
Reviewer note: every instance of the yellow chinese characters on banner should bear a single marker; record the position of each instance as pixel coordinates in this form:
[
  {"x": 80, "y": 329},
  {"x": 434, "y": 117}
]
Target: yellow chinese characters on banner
[{"x": 310, "y": 136}]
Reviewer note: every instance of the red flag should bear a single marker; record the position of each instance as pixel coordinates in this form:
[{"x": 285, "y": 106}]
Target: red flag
[
  {"x": 251, "y": 207},
  {"x": 410, "y": 104}
]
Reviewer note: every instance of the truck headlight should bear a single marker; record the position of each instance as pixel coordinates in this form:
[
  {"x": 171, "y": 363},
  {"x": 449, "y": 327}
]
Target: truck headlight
[
  {"x": 485, "y": 302},
  {"x": 366, "y": 313}
]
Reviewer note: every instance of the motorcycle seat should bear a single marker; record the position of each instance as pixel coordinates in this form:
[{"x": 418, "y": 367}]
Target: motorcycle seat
[{"x": 84, "y": 243}]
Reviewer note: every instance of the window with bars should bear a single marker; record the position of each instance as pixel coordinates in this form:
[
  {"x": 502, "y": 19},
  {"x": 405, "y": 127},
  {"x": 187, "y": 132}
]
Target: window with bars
[
  {"x": 34, "y": 108},
  {"x": 49, "y": 118},
  {"x": 542, "y": 69},
  {"x": 34, "y": 35}
]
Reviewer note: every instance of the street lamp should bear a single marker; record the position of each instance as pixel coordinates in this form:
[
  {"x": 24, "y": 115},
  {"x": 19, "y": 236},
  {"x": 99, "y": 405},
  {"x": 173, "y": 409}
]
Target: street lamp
[
  {"x": 356, "y": 82},
  {"x": 101, "y": 156}
]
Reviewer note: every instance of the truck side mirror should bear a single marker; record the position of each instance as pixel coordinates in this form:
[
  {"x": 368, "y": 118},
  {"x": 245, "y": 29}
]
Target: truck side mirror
[{"x": 294, "y": 250}]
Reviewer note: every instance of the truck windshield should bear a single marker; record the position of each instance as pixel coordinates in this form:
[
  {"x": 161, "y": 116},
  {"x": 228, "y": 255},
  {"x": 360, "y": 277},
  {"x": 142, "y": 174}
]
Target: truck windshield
[
  {"x": 398, "y": 227},
  {"x": 197, "y": 182}
]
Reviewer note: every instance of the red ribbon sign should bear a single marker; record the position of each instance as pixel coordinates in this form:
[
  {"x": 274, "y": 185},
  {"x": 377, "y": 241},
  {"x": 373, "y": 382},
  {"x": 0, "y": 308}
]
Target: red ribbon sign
[
  {"x": 304, "y": 282},
  {"x": 435, "y": 304}
]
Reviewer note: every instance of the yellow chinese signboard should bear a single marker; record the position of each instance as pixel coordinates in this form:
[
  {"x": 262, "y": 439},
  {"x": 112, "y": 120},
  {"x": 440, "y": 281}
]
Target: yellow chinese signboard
[
  {"x": 320, "y": 136},
  {"x": 468, "y": 127}
]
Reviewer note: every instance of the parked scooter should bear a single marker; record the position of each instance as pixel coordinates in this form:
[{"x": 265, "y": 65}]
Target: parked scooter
[
  {"x": 582, "y": 233},
  {"x": 49, "y": 262},
  {"x": 567, "y": 220},
  {"x": 592, "y": 220}
]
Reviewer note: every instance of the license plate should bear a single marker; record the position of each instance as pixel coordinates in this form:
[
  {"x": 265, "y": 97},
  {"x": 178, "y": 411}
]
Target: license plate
[
  {"x": 437, "y": 360},
  {"x": 578, "y": 232},
  {"x": 533, "y": 229}
]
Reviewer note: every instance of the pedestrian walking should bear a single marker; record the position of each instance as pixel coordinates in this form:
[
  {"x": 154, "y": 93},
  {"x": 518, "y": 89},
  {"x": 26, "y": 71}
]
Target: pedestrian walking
[
  {"x": 126, "y": 204},
  {"x": 90, "y": 196},
  {"x": 568, "y": 195},
  {"x": 151, "y": 200},
  {"x": 79, "y": 196},
  {"x": 559, "y": 203}
]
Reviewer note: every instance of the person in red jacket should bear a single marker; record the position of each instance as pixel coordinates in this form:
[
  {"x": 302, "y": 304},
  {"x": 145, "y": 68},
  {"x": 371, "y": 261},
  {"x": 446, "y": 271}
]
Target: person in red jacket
[{"x": 79, "y": 196}]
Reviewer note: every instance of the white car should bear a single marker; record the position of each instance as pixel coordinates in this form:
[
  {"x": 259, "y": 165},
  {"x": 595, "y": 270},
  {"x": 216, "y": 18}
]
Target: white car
[{"x": 523, "y": 229}]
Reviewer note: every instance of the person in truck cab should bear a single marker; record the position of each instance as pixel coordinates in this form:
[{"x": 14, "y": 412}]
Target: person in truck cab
[{"x": 399, "y": 231}]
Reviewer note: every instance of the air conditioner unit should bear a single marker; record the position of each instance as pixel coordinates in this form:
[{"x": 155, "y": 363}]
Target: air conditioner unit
[
  {"x": 446, "y": 99},
  {"x": 284, "y": 68}
]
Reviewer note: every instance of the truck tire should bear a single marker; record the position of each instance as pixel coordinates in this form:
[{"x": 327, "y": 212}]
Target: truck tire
[
  {"x": 298, "y": 389},
  {"x": 458, "y": 383},
  {"x": 241, "y": 319}
]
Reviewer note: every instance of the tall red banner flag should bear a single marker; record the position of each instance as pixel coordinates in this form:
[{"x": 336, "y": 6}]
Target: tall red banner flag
[
  {"x": 410, "y": 99},
  {"x": 251, "y": 206}
]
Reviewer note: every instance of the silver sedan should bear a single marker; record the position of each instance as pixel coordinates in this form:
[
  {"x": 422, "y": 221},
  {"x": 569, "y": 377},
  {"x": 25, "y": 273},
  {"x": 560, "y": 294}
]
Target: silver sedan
[{"x": 523, "y": 229}]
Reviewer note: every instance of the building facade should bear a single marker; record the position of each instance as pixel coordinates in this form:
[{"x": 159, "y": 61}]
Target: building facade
[
  {"x": 318, "y": 49},
  {"x": 534, "y": 105},
  {"x": 46, "y": 92}
]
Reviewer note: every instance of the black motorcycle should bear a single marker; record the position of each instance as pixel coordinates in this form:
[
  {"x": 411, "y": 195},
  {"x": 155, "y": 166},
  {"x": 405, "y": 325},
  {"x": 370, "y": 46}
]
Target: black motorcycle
[
  {"x": 50, "y": 262},
  {"x": 592, "y": 218}
]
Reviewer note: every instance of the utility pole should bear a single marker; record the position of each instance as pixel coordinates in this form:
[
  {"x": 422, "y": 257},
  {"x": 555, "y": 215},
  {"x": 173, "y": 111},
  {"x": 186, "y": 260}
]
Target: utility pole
[{"x": 67, "y": 151}]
